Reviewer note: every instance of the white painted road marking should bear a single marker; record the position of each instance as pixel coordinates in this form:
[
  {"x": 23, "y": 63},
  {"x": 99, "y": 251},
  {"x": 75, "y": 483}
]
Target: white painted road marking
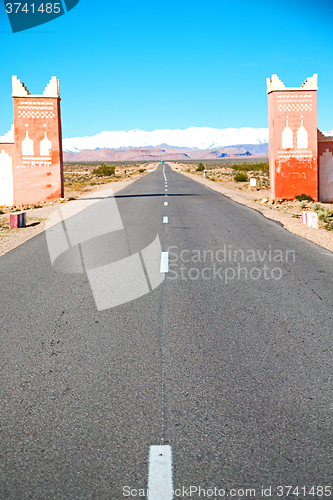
[
  {"x": 160, "y": 483},
  {"x": 165, "y": 220},
  {"x": 166, "y": 189},
  {"x": 164, "y": 266},
  {"x": 165, "y": 203},
  {"x": 164, "y": 176}
]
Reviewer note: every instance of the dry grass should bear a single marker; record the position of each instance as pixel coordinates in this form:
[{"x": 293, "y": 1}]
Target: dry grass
[
  {"x": 225, "y": 174},
  {"x": 80, "y": 177},
  {"x": 76, "y": 181}
]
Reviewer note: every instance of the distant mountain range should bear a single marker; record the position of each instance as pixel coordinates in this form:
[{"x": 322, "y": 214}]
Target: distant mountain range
[
  {"x": 193, "y": 143},
  {"x": 167, "y": 153},
  {"x": 192, "y": 138}
]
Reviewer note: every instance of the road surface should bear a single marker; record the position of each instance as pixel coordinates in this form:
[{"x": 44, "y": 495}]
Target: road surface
[{"x": 218, "y": 377}]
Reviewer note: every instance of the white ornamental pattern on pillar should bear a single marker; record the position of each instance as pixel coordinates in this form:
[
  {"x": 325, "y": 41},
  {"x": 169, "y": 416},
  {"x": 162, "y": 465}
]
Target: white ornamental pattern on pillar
[
  {"x": 27, "y": 146},
  {"x": 287, "y": 137},
  {"x": 297, "y": 102},
  {"x": 36, "y": 110},
  {"x": 302, "y": 137},
  {"x": 45, "y": 146}
]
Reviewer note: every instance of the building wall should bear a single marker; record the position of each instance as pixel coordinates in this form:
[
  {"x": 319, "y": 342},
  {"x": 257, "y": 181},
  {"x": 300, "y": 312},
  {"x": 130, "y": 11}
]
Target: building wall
[
  {"x": 325, "y": 162},
  {"x": 6, "y": 173},
  {"x": 293, "y": 150}
]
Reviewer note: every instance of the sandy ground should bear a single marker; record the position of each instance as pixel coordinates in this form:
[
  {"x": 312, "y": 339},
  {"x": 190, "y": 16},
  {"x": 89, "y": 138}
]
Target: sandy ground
[
  {"x": 36, "y": 218},
  {"x": 282, "y": 213}
]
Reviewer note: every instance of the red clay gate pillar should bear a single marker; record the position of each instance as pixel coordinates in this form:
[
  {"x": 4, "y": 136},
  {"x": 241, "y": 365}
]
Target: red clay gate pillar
[
  {"x": 292, "y": 120},
  {"x": 38, "y": 164}
]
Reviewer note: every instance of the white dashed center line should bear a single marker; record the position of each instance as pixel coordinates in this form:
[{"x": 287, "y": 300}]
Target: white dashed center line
[
  {"x": 164, "y": 266},
  {"x": 165, "y": 220},
  {"x": 160, "y": 483},
  {"x": 165, "y": 203}
]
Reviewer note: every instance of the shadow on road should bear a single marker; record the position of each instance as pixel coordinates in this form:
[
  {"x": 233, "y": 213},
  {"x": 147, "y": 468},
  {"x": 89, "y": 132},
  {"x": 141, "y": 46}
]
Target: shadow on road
[{"x": 146, "y": 195}]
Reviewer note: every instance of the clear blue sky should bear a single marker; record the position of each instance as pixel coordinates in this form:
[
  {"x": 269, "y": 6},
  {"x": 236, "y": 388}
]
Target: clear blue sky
[{"x": 148, "y": 64}]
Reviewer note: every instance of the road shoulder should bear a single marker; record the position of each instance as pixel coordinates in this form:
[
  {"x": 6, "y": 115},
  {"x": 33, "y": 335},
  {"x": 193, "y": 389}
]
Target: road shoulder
[{"x": 294, "y": 225}]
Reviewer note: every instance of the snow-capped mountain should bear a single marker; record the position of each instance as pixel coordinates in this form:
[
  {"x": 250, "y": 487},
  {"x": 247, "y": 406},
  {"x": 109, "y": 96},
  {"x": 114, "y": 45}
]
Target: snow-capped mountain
[{"x": 192, "y": 137}]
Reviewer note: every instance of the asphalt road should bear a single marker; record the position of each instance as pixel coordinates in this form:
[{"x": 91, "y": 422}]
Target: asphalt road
[{"x": 228, "y": 361}]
